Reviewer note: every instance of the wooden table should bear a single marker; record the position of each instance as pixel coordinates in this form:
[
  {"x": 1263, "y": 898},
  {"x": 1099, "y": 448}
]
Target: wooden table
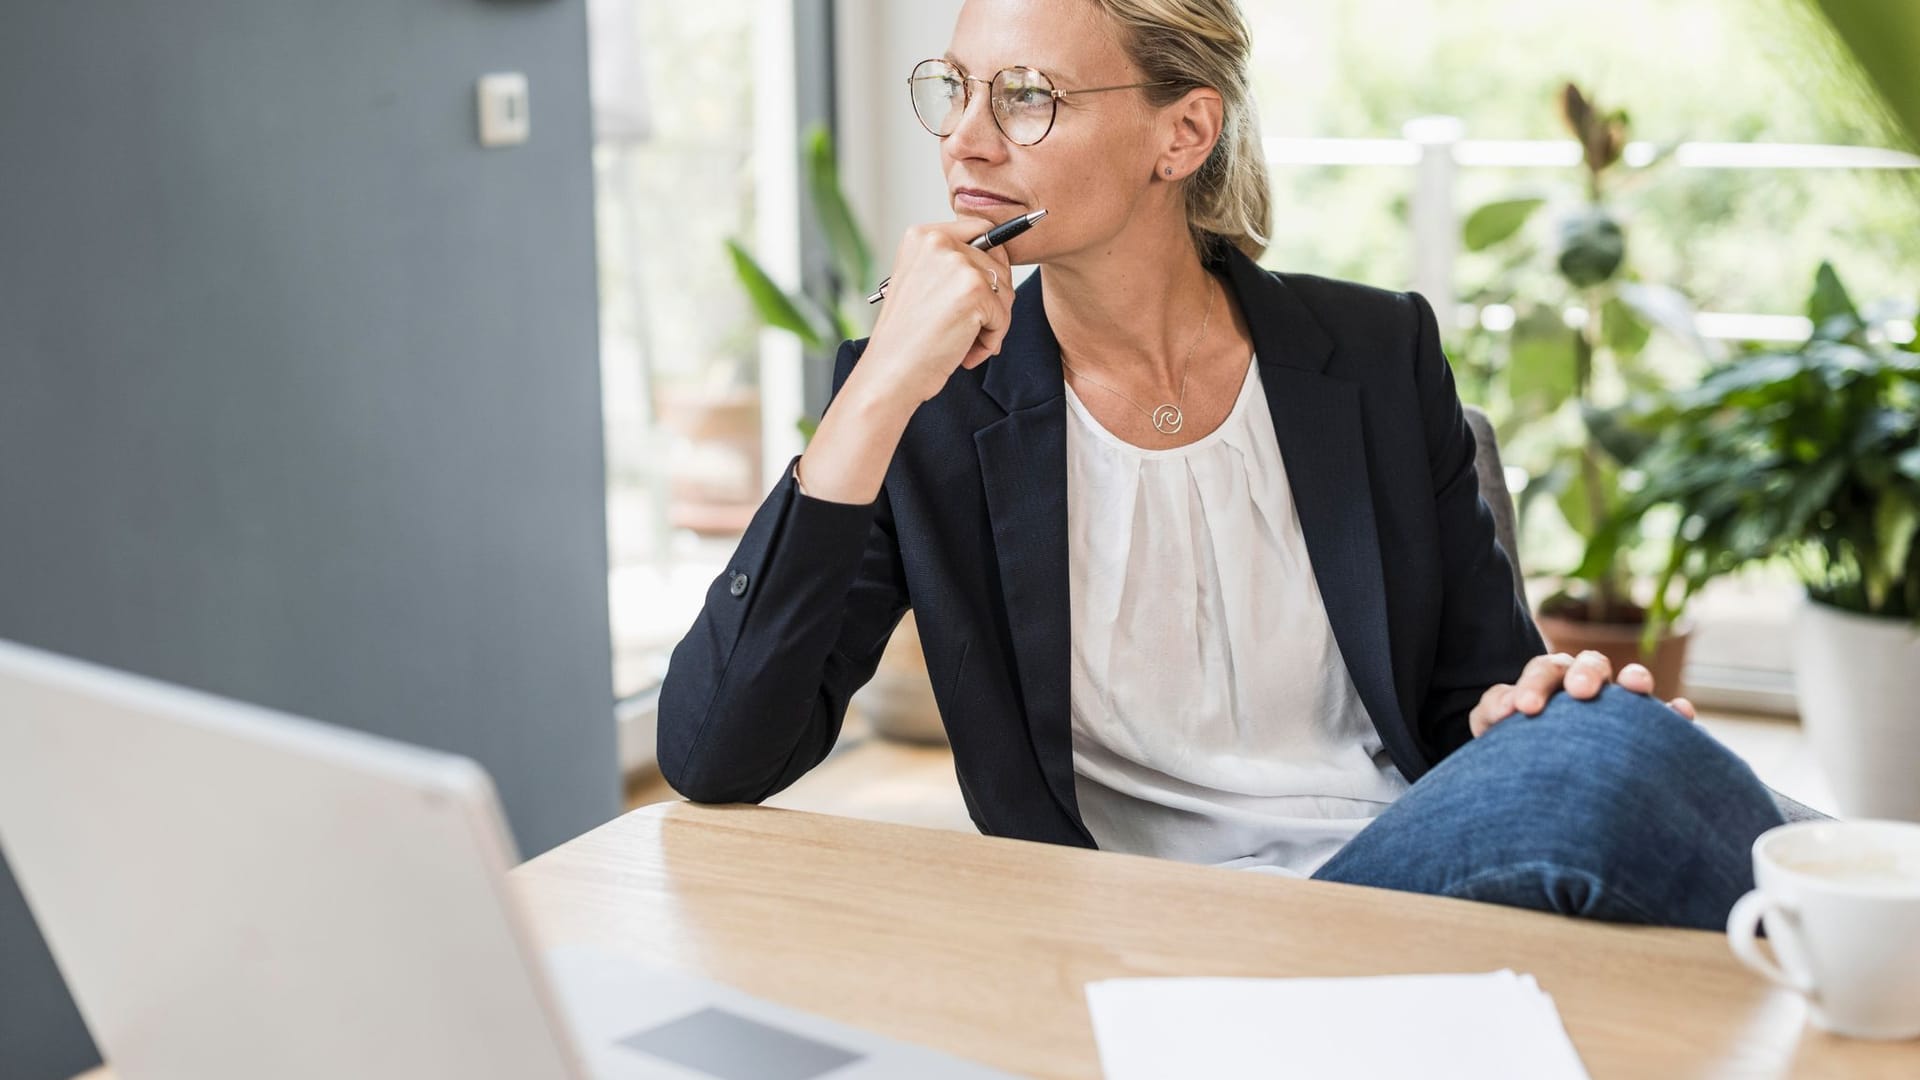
[{"x": 982, "y": 946}]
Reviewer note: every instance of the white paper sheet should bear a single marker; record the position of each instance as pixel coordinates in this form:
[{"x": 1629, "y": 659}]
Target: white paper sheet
[{"x": 1431, "y": 1026}]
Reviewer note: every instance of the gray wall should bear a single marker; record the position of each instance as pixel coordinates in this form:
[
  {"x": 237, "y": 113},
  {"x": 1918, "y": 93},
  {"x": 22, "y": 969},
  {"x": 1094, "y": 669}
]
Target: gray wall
[{"x": 299, "y": 393}]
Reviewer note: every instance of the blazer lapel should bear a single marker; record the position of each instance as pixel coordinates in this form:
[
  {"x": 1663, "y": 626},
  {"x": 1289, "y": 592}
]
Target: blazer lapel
[
  {"x": 1319, "y": 423},
  {"x": 1023, "y": 469}
]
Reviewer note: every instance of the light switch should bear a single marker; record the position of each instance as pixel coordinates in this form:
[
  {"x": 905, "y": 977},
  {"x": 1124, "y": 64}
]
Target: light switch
[{"x": 506, "y": 118}]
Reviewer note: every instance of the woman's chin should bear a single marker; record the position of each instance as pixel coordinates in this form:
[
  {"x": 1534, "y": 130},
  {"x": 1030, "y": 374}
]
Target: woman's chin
[{"x": 984, "y": 217}]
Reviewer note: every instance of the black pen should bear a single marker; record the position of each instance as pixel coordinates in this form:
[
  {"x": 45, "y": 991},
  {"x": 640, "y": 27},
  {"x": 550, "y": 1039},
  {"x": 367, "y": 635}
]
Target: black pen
[{"x": 992, "y": 238}]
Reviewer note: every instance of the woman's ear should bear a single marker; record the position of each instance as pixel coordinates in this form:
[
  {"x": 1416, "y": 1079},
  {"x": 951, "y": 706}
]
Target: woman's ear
[{"x": 1197, "y": 122}]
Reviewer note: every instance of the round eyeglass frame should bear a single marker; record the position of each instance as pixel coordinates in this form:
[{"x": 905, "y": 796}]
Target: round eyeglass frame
[{"x": 967, "y": 81}]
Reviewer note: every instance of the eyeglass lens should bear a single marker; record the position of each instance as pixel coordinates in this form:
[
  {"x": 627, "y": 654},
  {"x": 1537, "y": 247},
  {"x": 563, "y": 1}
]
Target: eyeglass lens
[{"x": 1022, "y": 100}]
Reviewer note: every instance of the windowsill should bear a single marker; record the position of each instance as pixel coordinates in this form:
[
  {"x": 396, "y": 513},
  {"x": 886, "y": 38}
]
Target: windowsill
[{"x": 1741, "y": 656}]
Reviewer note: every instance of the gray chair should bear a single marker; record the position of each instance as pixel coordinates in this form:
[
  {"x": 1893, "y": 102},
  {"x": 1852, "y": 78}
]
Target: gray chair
[{"x": 1493, "y": 488}]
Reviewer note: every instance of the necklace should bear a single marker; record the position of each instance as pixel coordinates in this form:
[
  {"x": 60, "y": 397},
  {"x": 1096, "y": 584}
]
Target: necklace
[{"x": 1168, "y": 417}]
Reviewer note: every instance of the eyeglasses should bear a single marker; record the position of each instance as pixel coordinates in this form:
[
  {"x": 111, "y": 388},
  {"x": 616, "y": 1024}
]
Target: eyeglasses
[{"x": 1024, "y": 101}]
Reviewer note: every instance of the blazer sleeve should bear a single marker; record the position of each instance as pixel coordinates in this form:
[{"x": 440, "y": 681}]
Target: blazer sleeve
[
  {"x": 755, "y": 693},
  {"x": 1486, "y": 634}
]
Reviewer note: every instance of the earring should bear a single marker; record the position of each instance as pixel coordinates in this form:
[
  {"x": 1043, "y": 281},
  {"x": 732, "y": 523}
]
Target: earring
[{"x": 1169, "y": 170}]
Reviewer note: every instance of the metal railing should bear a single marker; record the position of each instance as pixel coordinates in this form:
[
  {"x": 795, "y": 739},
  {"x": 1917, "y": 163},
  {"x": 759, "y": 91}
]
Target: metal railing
[{"x": 1436, "y": 149}]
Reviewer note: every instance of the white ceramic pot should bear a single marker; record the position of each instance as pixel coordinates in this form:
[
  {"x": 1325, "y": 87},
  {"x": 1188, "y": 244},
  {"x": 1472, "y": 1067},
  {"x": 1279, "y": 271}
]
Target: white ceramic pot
[{"x": 1858, "y": 681}]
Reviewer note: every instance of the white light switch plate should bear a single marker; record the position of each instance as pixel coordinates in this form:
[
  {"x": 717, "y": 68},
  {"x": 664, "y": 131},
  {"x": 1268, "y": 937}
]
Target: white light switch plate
[{"x": 506, "y": 117}]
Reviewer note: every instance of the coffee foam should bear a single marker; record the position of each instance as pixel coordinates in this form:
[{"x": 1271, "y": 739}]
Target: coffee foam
[{"x": 1886, "y": 868}]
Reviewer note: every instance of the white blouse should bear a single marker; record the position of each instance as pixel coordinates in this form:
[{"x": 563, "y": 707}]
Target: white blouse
[{"x": 1214, "y": 720}]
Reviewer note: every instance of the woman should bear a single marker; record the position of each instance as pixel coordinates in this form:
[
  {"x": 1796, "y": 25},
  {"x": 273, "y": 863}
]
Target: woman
[{"x": 1200, "y": 566}]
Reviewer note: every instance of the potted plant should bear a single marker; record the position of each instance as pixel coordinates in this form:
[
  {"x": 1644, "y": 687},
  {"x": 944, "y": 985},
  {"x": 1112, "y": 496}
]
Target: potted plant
[
  {"x": 821, "y": 325},
  {"x": 1575, "y": 349},
  {"x": 1813, "y": 456},
  {"x": 898, "y": 701}
]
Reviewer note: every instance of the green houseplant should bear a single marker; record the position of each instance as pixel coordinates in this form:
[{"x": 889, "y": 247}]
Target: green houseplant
[
  {"x": 821, "y": 325},
  {"x": 1561, "y": 373},
  {"x": 898, "y": 702},
  {"x": 1813, "y": 456}
]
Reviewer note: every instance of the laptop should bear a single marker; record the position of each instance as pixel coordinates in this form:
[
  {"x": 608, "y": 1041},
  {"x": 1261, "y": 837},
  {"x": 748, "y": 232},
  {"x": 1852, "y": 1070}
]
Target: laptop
[{"x": 232, "y": 892}]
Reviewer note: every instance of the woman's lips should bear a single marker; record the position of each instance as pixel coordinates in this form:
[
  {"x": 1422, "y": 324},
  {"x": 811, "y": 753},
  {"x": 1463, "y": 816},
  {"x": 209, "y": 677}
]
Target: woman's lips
[{"x": 980, "y": 202}]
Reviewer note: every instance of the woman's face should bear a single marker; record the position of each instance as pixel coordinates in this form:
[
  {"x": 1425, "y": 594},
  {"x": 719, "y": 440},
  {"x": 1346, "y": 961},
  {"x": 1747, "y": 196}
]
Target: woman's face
[{"x": 1094, "y": 169}]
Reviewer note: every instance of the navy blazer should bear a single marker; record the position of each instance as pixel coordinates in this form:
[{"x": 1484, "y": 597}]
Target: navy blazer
[{"x": 970, "y": 531}]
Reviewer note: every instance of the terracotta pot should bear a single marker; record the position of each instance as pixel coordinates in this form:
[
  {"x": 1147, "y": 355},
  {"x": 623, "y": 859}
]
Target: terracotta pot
[
  {"x": 714, "y": 478},
  {"x": 1620, "y": 644},
  {"x": 898, "y": 701}
]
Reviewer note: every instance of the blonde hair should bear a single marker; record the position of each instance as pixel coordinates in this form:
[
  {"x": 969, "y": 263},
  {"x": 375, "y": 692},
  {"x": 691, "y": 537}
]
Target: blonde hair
[{"x": 1193, "y": 43}]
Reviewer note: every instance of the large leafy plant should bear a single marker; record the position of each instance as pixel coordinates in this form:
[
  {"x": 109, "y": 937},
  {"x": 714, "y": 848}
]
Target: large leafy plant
[
  {"x": 1883, "y": 39},
  {"x": 1812, "y": 455},
  {"x": 820, "y": 324},
  {"x": 1559, "y": 374}
]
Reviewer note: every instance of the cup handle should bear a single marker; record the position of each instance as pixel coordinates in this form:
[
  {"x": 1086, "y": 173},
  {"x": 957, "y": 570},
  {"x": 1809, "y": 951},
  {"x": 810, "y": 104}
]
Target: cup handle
[{"x": 1744, "y": 920}]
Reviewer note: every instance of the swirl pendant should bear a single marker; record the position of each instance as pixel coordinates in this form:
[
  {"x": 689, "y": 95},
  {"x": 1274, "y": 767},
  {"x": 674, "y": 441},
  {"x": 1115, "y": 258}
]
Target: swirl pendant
[{"x": 1168, "y": 418}]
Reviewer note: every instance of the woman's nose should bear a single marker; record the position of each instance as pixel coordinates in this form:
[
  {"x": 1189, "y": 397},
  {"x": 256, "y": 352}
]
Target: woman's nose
[{"x": 977, "y": 134}]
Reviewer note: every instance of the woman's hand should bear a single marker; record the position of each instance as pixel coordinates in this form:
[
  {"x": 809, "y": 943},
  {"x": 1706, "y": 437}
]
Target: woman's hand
[
  {"x": 941, "y": 311},
  {"x": 1582, "y": 676}
]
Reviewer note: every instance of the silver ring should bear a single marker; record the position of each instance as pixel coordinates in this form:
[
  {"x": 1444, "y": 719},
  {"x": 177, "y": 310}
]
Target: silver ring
[{"x": 993, "y": 278}]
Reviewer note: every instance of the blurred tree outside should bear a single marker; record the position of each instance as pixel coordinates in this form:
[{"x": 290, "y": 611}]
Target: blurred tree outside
[
  {"x": 1737, "y": 240},
  {"x": 669, "y": 201},
  {"x": 1729, "y": 240}
]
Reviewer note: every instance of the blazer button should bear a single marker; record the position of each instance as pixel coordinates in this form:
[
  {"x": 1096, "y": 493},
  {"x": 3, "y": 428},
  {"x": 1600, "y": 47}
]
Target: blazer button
[{"x": 739, "y": 585}]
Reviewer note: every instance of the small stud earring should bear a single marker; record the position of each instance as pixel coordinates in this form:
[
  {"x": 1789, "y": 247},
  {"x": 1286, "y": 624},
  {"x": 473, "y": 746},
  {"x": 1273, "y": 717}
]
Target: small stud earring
[{"x": 1169, "y": 170}]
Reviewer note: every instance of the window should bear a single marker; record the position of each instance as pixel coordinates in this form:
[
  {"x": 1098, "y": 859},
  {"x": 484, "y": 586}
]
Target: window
[{"x": 685, "y": 141}]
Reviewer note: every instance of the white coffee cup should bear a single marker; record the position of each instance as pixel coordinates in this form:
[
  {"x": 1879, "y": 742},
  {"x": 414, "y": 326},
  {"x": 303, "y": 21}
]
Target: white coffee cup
[{"x": 1841, "y": 902}]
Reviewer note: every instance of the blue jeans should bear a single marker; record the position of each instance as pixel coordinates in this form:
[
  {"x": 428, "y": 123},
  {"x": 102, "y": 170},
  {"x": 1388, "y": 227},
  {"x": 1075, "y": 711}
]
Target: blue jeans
[{"x": 1616, "y": 808}]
